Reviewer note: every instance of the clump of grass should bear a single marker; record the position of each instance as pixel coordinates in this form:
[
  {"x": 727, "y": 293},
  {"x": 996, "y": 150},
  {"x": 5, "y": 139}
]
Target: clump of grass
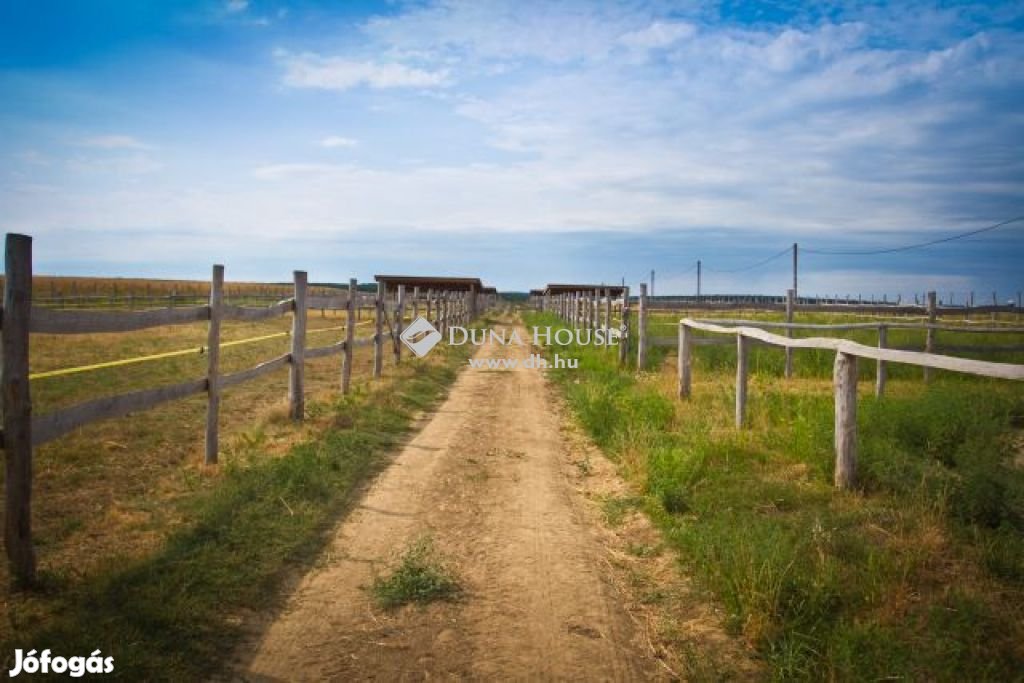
[
  {"x": 421, "y": 577},
  {"x": 615, "y": 508}
]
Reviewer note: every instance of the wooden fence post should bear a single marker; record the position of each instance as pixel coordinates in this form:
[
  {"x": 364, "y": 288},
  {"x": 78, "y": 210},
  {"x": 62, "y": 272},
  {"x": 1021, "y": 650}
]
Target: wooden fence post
[
  {"x": 684, "y": 360},
  {"x": 399, "y": 323},
  {"x": 844, "y": 379},
  {"x": 17, "y": 408},
  {"x": 442, "y": 311},
  {"x": 790, "y": 305},
  {"x": 296, "y": 383},
  {"x": 929, "y": 339},
  {"x": 213, "y": 365},
  {"x": 641, "y": 329},
  {"x": 742, "y": 353},
  {"x": 881, "y": 369},
  {"x": 378, "y": 336},
  {"x": 350, "y": 336},
  {"x": 607, "y": 309},
  {"x": 415, "y": 302},
  {"x": 624, "y": 328}
]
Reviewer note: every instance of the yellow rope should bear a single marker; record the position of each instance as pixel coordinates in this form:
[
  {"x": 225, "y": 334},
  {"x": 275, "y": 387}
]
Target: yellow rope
[{"x": 171, "y": 354}]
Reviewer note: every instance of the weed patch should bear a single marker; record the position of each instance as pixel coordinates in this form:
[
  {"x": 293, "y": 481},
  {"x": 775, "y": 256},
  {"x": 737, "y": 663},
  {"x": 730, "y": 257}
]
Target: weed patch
[{"x": 420, "y": 577}]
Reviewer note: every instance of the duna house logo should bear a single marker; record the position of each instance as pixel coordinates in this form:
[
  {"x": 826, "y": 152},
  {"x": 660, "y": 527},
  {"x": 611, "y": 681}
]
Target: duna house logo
[{"x": 420, "y": 337}]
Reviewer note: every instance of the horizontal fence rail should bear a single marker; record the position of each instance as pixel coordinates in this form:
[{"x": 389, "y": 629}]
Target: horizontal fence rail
[
  {"x": 21, "y": 317},
  {"x": 844, "y": 374}
]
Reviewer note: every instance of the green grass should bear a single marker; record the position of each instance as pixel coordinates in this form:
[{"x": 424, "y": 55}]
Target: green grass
[
  {"x": 175, "y": 614},
  {"x": 420, "y": 577},
  {"x": 919, "y": 574}
]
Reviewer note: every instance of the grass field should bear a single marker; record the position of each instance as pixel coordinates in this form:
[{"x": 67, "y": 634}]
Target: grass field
[
  {"x": 917, "y": 575},
  {"x": 138, "y": 542}
]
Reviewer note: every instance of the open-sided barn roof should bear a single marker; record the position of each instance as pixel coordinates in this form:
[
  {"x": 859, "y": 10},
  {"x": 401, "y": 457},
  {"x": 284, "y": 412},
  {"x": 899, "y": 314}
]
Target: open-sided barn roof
[
  {"x": 615, "y": 290},
  {"x": 461, "y": 284}
]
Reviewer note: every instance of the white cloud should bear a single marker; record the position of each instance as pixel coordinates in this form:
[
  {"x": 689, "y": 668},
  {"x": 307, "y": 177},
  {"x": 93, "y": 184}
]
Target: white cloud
[
  {"x": 133, "y": 165},
  {"x": 114, "y": 142},
  {"x": 236, "y": 5},
  {"x": 308, "y": 70},
  {"x": 658, "y": 35},
  {"x": 332, "y": 141},
  {"x": 559, "y": 31},
  {"x": 595, "y": 116}
]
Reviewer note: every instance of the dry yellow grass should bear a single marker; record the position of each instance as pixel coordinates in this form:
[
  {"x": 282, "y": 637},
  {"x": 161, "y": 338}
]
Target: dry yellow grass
[
  {"x": 111, "y": 489},
  {"x": 51, "y": 286}
]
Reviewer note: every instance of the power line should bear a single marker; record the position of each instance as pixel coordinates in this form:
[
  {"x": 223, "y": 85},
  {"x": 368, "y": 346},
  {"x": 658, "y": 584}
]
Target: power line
[
  {"x": 908, "y": 247},
  {"x": 752, "y": 266},
  {"x": 852, "y": 252}
]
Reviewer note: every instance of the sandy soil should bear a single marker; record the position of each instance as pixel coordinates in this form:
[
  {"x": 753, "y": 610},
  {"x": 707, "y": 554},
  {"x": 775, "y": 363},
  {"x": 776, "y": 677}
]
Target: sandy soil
[{"x": 493, "y": 480}]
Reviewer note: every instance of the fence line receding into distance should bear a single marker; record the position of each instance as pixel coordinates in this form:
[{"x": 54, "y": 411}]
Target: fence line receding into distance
[{"x": 22, "y": 431}]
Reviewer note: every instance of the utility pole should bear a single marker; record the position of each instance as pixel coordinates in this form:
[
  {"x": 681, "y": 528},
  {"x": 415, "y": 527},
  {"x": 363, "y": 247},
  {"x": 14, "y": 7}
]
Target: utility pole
[
  {"x": 698, "y": 279},
  {"x": 795, "y": 252},
  {"x": 652, "y": 282}
]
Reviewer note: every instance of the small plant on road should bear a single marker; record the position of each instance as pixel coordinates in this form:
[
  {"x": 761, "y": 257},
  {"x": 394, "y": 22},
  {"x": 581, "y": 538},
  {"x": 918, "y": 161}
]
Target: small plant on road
[{"x": 421, "y": 577}]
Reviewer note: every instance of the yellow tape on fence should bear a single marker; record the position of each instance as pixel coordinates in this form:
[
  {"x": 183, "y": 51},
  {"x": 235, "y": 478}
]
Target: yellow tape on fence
[{"x": 171, "y": 354}]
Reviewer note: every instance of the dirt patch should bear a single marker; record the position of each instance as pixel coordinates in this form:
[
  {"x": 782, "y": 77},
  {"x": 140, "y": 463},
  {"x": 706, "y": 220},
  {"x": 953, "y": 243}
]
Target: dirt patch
[{"x": 490, "y": 479}]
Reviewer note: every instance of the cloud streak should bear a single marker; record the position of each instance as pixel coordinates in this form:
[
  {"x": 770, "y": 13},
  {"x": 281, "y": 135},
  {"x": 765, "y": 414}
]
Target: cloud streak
[{"x": 310, "y": 70}]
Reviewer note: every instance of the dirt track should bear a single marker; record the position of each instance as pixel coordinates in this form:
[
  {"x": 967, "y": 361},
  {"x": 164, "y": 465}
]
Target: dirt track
[{"x": 488, "y": 480}]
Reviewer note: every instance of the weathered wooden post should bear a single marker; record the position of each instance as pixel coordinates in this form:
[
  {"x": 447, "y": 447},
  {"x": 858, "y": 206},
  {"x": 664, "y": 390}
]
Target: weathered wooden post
[
  {"x": 213, "y": 365},
  {"x": 881, "y": 369},
  {"x": 742, "y": 353},
  {"x": 415, "y": 302},
  {"x": 378, "y": 331},
  {"x": 684, "y": 360},
  {"x": 607, "y": 308},
  {"x": 296, "y": 378},
  {"x": 641, "y": 329},
  {"x": 844, "y": 379},
  {"x": 790, "y": 306},
  {"x": 350, "y": 336},
  {"x": 17, "y": 409},
  {"x": 624, "y": 336},
  {"x": 929, "y": 339},
  {"x": 399, "y": 323}
]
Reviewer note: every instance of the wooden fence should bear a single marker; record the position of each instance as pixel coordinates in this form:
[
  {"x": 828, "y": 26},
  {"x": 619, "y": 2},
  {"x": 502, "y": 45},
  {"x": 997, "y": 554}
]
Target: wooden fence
[
  {"x": 579, "y": 309},
  {"x": 819, "y": 304},
  {"x": 22, "y": 431},
  {"x": 844, "y": 373}
]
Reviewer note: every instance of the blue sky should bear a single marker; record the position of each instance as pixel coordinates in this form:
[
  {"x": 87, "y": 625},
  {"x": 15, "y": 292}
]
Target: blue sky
[{"x": 523, "y": 142}]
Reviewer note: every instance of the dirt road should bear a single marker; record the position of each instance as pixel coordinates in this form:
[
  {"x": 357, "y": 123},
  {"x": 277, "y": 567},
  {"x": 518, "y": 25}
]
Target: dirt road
[{"x": 487, "y": 479}]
